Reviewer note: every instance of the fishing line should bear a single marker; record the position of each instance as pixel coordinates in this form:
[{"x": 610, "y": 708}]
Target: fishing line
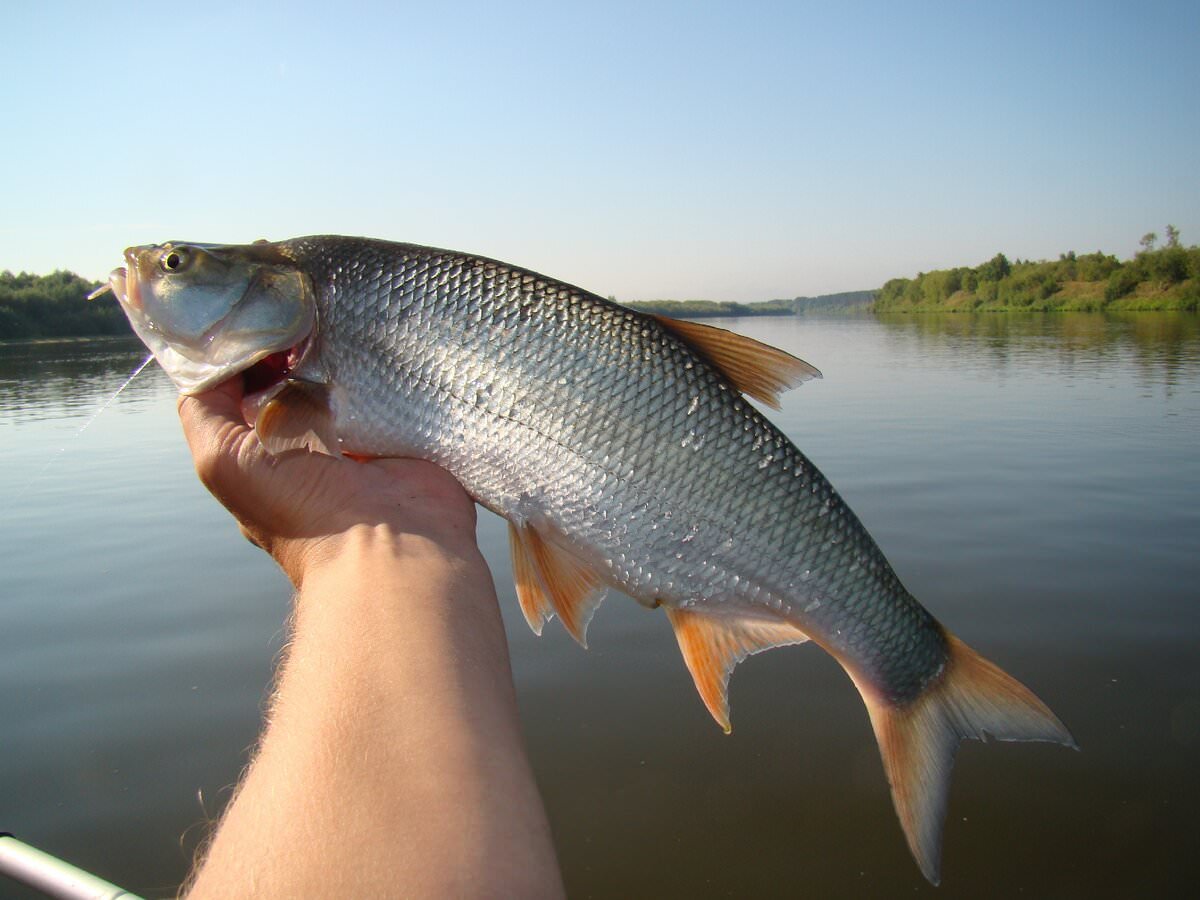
[
  {"x": 82, "y": 428},
  {"x": 109, "y": 402}
]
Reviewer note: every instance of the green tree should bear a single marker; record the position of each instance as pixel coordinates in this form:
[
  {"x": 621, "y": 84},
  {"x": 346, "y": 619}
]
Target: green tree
[
  {"x": 1096, "y": 266},
  {"x": 1120, "y": 283},
  {"x": 1149, "y": 239},
  {"x": 53, "y": 305},
  {"x": 1068, "y": 268},
  {"x": 1172, "y": 236},
  {"x": 1170, "y": 264},
  {"x": 995, "y": 268}
]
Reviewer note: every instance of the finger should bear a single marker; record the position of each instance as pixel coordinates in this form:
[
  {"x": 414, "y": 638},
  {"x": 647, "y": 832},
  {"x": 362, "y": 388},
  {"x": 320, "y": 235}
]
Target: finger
[
  {"x": 213, "y": 411},
  {"x": 216, "y": 433}
]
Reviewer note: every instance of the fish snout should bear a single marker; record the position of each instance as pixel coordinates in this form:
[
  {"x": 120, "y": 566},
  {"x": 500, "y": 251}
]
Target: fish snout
[{"x": 129, "y": 287}]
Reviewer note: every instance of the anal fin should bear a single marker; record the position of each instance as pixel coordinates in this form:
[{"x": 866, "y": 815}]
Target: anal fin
[
  {"x": 547, "y": 576},
  {"x": 535, "y": 604},
  {"x": 712, "y": 644}
]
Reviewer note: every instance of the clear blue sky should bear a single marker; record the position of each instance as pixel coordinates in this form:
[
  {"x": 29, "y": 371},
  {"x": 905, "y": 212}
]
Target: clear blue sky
[{"x": 736, "y": 151}]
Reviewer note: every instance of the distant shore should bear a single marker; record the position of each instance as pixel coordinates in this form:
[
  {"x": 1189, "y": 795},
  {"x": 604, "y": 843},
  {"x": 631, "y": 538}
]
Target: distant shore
[
  {"x": 846, "y": 301},
  {"x": 46, "y": 307},
  {"x": 1184, "y": 297},
  {"x": 52, "y": 307},
  {"x": 1167, "y": 278}
]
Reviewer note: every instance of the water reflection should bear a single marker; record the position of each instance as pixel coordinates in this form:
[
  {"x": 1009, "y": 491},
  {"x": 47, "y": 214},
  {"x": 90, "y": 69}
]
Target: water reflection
[
  {"x": 60, "y": 379},
  {"x": 1033, "y": 478},
  {"x": 1162, "y": 346}
]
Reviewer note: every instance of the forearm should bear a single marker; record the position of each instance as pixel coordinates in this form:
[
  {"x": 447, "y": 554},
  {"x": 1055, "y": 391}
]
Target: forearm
[{"x": 393, "y": 744}]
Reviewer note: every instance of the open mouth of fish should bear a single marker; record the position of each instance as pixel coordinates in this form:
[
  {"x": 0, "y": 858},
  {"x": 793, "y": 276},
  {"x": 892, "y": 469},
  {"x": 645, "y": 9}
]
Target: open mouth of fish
[{"x": 273, "y": 369}]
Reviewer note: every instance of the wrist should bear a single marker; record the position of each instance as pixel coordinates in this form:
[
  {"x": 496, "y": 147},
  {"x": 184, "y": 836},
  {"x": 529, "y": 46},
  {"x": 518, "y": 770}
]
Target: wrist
[
  {"x": 372, "y": 545},
  {"x": 373, "y": 591}
]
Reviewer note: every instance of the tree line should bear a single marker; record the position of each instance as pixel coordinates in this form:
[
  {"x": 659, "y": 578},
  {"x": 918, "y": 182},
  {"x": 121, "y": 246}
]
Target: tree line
[
  {"x": 51, "y": 306},
  {"x": 1158, "y": 277},
  {"x": 1165, "y": 276}
]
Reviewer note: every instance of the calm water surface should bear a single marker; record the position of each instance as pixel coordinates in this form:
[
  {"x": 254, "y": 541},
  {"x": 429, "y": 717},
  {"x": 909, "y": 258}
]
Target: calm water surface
[{"x": 1035, "y": 481}]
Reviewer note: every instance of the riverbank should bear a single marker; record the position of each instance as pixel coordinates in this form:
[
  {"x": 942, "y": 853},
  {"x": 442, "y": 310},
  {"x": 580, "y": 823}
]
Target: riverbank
[
  {"x": 34, "y": 307},
  {"x": 1072, "y": 297},
  {"x": 1164, "y": 279},
  {"x": 52, "y": 308}
]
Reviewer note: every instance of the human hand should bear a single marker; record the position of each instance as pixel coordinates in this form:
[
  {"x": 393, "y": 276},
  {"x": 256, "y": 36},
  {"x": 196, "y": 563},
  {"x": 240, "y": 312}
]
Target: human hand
[
  {"x": 393, "y": 751},
  {"x": 300, "y": 506}
]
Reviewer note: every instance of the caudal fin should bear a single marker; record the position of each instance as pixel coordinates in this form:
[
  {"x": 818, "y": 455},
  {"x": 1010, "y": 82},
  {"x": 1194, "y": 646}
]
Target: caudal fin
[{"x": 972, "y": 698}]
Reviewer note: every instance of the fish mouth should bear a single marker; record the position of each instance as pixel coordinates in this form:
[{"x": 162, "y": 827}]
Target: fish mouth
[
  {"x": 264, "y": 380},
  {"x": 123, "y": 288},
  {"x": 124, "y": 280},
  {"x": 273, "y": 369}
]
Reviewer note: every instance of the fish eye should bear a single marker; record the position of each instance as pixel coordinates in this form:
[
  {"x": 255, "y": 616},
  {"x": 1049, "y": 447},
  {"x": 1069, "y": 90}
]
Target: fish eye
[{"x": 173, "y": 260}]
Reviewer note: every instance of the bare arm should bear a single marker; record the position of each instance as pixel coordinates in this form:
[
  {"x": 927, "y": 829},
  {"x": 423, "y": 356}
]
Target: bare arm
[{"x": 392, "y": 762}]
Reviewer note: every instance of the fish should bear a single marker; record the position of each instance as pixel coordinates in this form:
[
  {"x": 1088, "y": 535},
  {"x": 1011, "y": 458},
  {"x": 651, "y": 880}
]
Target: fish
[{"x": 622, "y": 448}]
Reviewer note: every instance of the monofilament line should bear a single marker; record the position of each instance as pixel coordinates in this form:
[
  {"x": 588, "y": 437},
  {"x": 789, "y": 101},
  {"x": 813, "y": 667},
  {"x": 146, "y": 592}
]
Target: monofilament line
[{"x": 82, "y": 428}]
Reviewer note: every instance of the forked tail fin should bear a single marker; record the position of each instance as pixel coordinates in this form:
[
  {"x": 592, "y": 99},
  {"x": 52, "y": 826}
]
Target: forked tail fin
[{"x": 972, "y": 698}]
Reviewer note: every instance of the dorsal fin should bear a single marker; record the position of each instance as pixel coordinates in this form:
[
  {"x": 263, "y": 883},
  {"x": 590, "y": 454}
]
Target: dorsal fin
[
  {"x": 534, "y": 603},
  {"x": 297, "y": 417},
  {"x": 756, "y": 369},
  {"x": 713, "y": 644},
  {"x": 571, "y": 587}
]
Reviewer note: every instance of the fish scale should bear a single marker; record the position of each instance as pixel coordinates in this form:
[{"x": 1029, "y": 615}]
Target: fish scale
[
  {"x": 751, "y": 493},
  {"x": 620, "y": 448}
]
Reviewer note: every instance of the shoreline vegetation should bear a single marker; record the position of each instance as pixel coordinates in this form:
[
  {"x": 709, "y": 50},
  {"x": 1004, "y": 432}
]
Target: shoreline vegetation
[
  {"x": 40, "y": 307},
  {"x": 702, "y": 309},
  {"x": 1162, "y": 278},
  {"x": 34, "y": 307}
]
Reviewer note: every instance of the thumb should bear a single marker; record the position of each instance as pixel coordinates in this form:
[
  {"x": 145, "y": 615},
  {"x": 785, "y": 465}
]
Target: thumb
[{"x": 216, "y": 433}]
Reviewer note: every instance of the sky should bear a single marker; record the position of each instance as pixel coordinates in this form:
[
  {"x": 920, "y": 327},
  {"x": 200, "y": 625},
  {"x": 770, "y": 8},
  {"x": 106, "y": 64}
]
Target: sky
[{"x": 727, "y": 151}]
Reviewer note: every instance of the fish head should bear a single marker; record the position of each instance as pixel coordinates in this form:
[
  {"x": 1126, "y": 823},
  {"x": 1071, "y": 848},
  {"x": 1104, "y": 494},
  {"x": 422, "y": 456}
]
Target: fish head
[{"x": 210, "y": 311}]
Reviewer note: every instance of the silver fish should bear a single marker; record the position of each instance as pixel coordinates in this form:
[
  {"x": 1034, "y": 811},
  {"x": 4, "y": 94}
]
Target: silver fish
[{"x": 619, "y": 446}]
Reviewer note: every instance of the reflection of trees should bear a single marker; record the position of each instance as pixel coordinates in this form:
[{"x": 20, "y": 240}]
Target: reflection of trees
[
  {"x": 51, "y": 380},
  {"x": 44, "y": 380},
  {"x": 1164, "y": 346}
]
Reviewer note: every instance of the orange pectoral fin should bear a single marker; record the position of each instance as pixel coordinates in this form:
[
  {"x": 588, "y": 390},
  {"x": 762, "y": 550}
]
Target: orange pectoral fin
[
  {"x": 756, "y": 369},
  {"x": 297, "y": 417},
  {"x": 713, "y": 644},
  {"x": 549, "y": 576}
]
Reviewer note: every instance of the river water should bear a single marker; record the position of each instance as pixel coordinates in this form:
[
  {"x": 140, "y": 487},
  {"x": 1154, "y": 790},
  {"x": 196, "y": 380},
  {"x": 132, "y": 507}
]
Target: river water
[{"x": 1035, "y": 481}]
